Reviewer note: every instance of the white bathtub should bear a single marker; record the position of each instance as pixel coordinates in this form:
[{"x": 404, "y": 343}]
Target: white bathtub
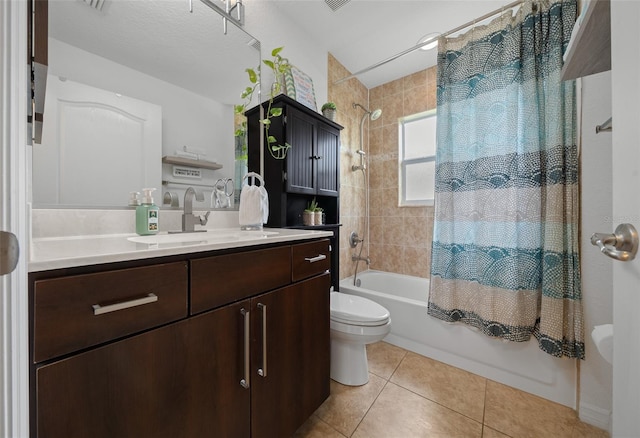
[{"x": 521, "y": 365}]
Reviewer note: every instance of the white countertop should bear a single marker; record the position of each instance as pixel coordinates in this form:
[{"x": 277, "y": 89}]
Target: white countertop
[{"x": 64, "y": 252}]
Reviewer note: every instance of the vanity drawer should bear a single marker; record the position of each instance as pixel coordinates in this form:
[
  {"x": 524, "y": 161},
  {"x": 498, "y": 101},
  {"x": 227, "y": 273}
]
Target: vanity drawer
[
  {"x": 75, "y": 312},
  {"x": 309, "y": 259},
  {"x": 218, "y": 280}
]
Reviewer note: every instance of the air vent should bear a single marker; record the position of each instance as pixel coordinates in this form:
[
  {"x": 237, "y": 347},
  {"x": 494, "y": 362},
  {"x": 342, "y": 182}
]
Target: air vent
[
  {"x": 95, "y": 4},
  {"x": 254, "y": 43},
  {"x": 335, "y": 4}
]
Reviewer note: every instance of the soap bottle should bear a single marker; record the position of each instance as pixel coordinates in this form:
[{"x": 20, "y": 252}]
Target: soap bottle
[{"x": 147, "y": 214}]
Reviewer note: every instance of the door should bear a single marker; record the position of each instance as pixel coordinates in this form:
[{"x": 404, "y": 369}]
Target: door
[
  {"x": 290, "y": 356},
  {"x": 13, "y": 218},
  {"x": 625, "y": 63},
  {"x": 301, "y": 157},
  {"x": 328, "y": 160},
  {"x": 125, "y": 134}
]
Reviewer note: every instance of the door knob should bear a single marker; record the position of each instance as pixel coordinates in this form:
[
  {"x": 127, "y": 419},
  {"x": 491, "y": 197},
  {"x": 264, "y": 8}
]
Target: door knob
[
  {"x": 621, "y": 245},
  {"x": 9, "y": 252}
]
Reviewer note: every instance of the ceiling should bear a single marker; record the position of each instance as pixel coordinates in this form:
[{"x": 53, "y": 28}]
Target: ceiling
[
  {"x": 359, "y": 34},
  {"x": 364, "y": 32}
]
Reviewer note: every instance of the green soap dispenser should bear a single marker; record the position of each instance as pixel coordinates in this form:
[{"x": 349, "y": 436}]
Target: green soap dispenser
[{"x": 147, "y": 215}]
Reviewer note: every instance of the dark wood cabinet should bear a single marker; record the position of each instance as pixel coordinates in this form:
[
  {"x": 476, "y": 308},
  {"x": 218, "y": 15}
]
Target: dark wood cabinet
[
  {"x": 312, "y": 163},
  {"x": 310, "y": 170},
  {"x": 181, "y": 380},
  {"x": 283, "y": 322},
  {"x": 254, "y": 363}
]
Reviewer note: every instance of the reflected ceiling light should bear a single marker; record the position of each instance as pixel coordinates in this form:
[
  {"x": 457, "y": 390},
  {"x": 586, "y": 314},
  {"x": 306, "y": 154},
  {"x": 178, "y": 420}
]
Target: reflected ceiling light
[{"x": 430, "y": 40}]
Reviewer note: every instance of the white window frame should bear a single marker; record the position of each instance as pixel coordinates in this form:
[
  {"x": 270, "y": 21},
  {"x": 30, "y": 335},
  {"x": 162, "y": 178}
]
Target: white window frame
[{"x": 402, "y": 162}]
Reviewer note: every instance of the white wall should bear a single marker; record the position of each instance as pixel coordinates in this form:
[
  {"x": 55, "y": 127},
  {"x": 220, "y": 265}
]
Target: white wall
[
  {"x": 266, "y": 23},
  {"x": 187, "y": 118},
  {"x": 597, "y": 270}
]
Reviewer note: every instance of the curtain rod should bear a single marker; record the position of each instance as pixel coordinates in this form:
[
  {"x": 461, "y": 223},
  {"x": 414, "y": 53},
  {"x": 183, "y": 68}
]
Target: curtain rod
[{"x": 423, "y": 43}]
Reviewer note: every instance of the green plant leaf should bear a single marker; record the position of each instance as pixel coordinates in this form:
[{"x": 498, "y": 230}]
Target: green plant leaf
[
  {"x": 239, "y": 109},
  {"x": 253, "y": 77},
  {"x": 277, "y": 50},
  {"x": 271, "y": 139},
  {"x": 265, "y": 121},
  {"x": 269, "y": 64},
  {"x": 276, "y": 112}
]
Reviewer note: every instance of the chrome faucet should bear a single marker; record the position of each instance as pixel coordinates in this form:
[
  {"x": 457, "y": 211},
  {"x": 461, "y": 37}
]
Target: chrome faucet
[
  {"x": 189, "y": 220},
  {"x": 367, "y": 260}
]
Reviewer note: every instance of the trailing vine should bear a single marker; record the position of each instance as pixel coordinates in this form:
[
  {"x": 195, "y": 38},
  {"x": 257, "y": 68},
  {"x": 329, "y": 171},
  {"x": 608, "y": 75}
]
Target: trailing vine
[{"x": 279, "y": 66}]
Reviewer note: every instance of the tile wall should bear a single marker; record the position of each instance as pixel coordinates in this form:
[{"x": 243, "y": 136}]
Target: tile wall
[
  {"x": 400, "y": 237},
  {"x": 352, "y": 188}
]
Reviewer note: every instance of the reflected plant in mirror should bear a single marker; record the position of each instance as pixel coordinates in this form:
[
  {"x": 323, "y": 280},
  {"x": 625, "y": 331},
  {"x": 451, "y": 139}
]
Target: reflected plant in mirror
[
  {"x": 279, "y": 66},
  {"x": 123, "y": 92}
]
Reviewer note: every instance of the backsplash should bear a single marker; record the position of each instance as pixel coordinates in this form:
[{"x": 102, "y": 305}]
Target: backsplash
[{"x": 63, "y": 222}]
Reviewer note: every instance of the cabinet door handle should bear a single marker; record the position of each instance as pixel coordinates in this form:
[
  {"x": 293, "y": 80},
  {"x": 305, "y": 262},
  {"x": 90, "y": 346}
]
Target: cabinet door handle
[
  {"x": 247, "y": 345},
  {"x": 263, "y": 371},
  {"x": 317, "y": 258},
  {"x": 99, "y": 310}
]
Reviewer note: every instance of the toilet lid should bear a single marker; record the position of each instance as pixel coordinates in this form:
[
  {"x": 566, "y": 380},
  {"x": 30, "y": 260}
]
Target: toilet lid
[{"x": 355, "y": 310}]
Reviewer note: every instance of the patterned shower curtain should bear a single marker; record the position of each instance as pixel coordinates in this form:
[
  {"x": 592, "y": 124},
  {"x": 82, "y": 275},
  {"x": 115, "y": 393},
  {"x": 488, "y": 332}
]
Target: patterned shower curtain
[{"x": 505, "y": 246}]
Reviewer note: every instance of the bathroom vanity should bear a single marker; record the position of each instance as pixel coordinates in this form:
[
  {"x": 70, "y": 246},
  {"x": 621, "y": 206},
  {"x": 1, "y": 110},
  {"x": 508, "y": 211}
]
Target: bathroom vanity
[{"x": 206, "y": 339}]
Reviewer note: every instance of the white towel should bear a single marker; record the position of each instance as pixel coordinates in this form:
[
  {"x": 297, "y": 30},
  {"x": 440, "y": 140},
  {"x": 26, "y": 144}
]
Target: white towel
[
  {"x": 254, "y": 206},
  {"x": 264, "y": 201}
]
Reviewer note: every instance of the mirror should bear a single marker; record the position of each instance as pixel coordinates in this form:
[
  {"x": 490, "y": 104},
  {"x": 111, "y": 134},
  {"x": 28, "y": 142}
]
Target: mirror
[{"x": 132, "y": 83}]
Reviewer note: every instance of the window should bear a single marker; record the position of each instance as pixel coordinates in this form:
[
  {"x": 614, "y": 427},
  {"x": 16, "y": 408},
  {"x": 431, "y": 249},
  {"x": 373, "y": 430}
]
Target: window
[{"x": 417, "y": 157}]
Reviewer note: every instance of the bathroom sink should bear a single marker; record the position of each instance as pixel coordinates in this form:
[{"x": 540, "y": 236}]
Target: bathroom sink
[{"x": 202, "y": 237}]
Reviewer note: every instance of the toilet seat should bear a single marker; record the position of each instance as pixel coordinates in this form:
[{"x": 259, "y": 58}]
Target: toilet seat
[{"x": 355, "y": 310}]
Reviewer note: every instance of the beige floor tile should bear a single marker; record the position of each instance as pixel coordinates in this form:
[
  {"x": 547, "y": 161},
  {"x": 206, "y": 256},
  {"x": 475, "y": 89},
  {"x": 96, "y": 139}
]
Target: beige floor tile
[
  {"x": 584, "y": 430},
  {"x": 400, "y": 413},
  {"x": 384, "y": 358},
  {"x": 347, "y": 405},
  {"x": 316, "y": 428},
  {"x": 451, "y": 387},
  {"x": 520, "y": 414},
  {"x": 487, "y": 432}
]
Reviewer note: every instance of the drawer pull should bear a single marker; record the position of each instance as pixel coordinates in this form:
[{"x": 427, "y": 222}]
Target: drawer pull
[
  {"x": 263, "y": 371},
  {"x": 316, "y": 258},
  {"x": 99, "y": 310},
  {"x": 247, "y": 347}
]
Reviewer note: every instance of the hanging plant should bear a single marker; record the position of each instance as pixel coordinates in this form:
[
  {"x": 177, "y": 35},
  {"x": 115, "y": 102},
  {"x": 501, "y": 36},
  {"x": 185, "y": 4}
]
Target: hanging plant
[{"x": 279, "y": 66}]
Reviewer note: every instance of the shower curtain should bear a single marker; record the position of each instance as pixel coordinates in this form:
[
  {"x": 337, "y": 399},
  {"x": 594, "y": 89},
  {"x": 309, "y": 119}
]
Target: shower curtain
[{"x": 505, "y": 246}]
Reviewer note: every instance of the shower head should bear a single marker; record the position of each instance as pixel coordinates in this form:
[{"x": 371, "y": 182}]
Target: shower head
[{"x": 373, "y": 115}]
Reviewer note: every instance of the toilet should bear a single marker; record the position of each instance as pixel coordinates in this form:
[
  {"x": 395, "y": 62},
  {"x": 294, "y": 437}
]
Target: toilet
[{"x": 355, "y": 322}]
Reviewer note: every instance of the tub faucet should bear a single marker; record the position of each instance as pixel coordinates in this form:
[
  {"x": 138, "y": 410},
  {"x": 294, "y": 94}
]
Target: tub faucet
[
  {"x": 367, "y": 260},
  {"x": 189, "y": 220}
]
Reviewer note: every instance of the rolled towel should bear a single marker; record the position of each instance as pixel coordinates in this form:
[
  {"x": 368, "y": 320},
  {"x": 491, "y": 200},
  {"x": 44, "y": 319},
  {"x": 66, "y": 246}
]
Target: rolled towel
[{"x": 250, "y": 210}]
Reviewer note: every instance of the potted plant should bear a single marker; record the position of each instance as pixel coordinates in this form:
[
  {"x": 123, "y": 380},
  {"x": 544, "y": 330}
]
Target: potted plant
[
  {"x": 279, "y": 66},
  {"x": 317, "y": 213},
  {"x": 329, "y": 110},
  {"x": 309, "y": 213}
]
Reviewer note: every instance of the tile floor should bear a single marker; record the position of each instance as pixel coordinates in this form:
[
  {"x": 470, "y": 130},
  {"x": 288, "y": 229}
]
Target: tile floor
[{"x": 409, "y": 396}]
